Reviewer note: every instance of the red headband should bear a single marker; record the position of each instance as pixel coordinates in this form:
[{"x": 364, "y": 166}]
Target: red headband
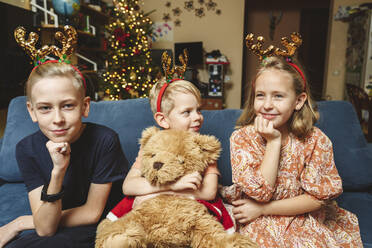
[
  {"x": 161, "y": 93},
  {"x": 75, "y": 68},
  {"x": 289, "y": 61}
]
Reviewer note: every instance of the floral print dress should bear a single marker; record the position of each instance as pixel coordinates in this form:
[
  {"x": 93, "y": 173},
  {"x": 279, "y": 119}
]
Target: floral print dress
[{"x": 305, "y": 167}]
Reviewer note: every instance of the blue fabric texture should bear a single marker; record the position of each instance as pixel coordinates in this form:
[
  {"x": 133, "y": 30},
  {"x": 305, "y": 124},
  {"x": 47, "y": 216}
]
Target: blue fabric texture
[
  {"x": 13, "y": 202},
  {"x": 220, "y": 123},
  {"x": 353, "y": 157},
  {"x": 18, "y": 126},
  {"x": 360, "y": 204}
]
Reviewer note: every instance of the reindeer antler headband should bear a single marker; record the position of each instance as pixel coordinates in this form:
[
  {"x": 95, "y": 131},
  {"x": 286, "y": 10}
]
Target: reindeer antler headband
[
  {"x": 169, "y": 73},
  {"x": 38, "y": 55},
  {"x": 290, "y": 45}
]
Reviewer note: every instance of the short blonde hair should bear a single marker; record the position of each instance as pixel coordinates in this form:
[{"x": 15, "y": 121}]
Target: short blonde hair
[
  {"x": 57, "y": 69},
  {"x": 303, "y": 120},
  {"x": 168, "y": 100}
]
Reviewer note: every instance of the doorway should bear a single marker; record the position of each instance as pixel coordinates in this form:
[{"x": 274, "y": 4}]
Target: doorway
[{"x": 309, "y": 18}]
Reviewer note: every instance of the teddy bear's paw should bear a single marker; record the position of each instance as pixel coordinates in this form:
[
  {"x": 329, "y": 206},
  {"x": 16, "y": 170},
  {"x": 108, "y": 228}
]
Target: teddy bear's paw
[
  {"x": 237, "y": 240},
  {"x": 124, "y": 241}
]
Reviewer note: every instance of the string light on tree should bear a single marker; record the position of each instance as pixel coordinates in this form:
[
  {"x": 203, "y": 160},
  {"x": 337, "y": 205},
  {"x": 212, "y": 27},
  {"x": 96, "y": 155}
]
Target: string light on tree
[{"x": 129, "y": 73}]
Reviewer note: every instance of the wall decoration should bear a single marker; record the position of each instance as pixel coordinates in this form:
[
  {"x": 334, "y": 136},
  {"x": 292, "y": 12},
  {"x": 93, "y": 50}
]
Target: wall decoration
[
  {"x": 199, "y": 12},
  {"x": 274, "y": 21},
  {"x": 162, "y": 31},
  {"x": 177, "y": 22},
  {"x": 201, "y": 9},
  {"x": 166, "y": 17},
  {"x": 189, "y": 5},
  {"x": 211, "y": 5},
  {"x": 177, "y": 11}
]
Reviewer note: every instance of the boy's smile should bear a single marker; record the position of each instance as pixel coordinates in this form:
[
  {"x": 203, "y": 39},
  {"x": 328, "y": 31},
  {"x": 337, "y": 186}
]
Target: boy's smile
[{"x": 57, "y": 105}]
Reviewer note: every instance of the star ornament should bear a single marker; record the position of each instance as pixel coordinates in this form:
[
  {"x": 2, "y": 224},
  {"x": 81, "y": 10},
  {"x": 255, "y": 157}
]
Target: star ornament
[
  {"x": 199, "y": 12},
  {"x": 166, "y": 17},
  {"x": 189, "y": 5},
  {"x": 177, "y": 11},
  {"x": 211, "y": 5}
]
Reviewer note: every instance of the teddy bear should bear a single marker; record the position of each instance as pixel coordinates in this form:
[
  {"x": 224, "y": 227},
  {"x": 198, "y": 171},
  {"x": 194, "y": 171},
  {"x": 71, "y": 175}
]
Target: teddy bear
[{"x": 170, "y": 220}]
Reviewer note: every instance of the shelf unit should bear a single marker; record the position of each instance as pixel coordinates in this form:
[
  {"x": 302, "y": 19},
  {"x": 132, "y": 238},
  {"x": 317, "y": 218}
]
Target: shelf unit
[{"x": 89, "y": 48}]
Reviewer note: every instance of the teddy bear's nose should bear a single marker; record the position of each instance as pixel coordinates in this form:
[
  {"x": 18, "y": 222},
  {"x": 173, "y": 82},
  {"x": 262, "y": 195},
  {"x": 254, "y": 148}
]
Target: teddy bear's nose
[{"x": 158, "y": 165}]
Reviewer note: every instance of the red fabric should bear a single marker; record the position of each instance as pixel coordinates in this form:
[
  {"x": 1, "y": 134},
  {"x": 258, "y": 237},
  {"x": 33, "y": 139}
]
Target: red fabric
[
  {"x": 123, "y": 207},
  {"x": 215, "y": 207}
]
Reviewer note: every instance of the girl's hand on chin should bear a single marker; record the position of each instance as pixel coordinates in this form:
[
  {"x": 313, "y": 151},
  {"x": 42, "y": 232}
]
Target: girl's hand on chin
[{"x": 266, "y": 128}]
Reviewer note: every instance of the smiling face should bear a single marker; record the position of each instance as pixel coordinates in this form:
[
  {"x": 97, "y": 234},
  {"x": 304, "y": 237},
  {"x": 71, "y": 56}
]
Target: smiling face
[
  {"x": 185, "y": 114},
  {"x": 58, "y": 106},
  {"x": 275, "y": 98}
]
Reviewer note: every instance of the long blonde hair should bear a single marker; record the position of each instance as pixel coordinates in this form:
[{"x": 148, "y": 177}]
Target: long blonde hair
[{"x": 303, "y": 120}]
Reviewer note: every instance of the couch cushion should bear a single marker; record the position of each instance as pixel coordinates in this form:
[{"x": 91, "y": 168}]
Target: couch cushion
[
  {"x": 360, "y": 204},
  {"x": 220, "y": 123},
  {"x": 14, "y": 202},
  {"x": 353, "y": 158},
  {"x": 18, "y": 125},
  {"x": 127, "y": 117}
]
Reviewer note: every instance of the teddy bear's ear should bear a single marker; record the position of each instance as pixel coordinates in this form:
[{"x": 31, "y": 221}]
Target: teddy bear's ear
[
  {"x": 209, "y": 145},
  {"x": 147, "y": 133}
]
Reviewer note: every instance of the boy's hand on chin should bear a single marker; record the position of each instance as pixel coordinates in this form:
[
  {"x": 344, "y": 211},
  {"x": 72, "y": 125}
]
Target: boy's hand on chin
[{"x": 60, "y": 154}]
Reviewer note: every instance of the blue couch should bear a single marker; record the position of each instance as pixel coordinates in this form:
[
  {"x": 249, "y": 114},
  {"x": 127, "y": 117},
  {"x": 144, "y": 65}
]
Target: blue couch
[{"x": 353, "y": 155}]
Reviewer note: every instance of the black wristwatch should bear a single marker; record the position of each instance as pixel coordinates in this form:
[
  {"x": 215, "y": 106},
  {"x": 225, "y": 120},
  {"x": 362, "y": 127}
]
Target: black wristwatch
[{"x": 53, "y": 197}]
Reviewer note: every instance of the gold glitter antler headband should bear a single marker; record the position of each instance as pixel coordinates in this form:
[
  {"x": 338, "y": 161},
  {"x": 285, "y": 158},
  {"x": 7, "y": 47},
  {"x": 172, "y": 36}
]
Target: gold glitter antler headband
[
  {"x": 257, "y": 48},
  {"x": 169, "y": 71},
  {"x": 38, "y": 55},
  {"x": 290, "y": 45}
]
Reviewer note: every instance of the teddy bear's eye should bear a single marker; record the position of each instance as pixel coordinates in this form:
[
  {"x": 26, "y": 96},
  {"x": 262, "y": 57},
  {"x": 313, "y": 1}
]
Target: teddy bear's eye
[
  {"x": 153, "y": 155},
  {"x": 181, "y": 161}
]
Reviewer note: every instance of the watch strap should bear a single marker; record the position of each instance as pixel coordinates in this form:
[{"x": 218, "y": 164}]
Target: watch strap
[{"x": 52, "y": 197}]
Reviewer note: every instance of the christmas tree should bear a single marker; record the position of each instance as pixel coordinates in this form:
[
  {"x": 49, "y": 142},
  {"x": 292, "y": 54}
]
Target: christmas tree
[{"x": 129, "y": 71}]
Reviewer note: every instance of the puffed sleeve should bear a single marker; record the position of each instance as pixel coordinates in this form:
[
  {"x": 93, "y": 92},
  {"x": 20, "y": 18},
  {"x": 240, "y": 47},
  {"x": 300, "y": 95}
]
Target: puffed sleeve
[
  {"x": 320, "y": 177},
  {"x": 247, "y": 153}
]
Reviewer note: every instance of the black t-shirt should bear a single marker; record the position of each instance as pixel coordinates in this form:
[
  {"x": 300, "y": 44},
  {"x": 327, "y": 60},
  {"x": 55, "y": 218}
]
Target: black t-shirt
[{"x": 96, "y": 157}]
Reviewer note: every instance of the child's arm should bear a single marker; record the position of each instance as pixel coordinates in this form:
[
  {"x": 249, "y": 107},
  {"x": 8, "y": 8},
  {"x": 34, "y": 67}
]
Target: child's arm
[
  {"x": 46, "y": 215},
  {"x": 270, "y": 162},
  {"x": 246, "y": 210},
  {"x": 87, "y": 214},
  {"x": 10, "y": 230},
  {"x": 134, "y": 184}
]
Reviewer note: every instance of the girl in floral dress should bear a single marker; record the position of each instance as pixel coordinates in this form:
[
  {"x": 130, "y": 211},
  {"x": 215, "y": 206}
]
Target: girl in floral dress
[{"x": 283, "y": 170}]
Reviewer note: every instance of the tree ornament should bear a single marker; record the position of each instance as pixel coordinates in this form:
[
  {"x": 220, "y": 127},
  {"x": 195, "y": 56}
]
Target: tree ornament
[{"x": 133, "y": 76}]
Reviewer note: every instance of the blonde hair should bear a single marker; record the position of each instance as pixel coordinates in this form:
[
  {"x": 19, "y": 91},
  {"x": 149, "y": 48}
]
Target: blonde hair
[
  {"x": 303, "y": 120},
  {"x": 54, "y": 69},
  {"x": 168, "y": 99}
]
